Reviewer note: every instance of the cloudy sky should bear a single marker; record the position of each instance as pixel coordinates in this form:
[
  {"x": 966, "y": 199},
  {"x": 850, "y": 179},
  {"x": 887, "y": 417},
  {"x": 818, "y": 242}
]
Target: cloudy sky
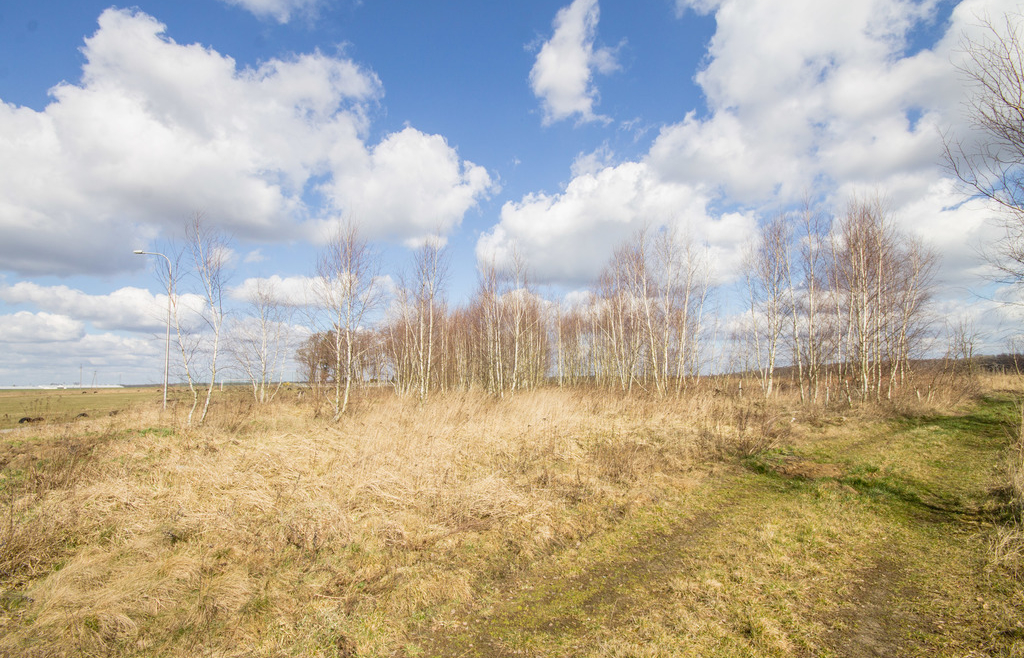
[{"x": 554, "y": 129}]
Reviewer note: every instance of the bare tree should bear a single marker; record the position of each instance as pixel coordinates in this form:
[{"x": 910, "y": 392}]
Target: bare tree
[
  {"x": 811, "y": 328},
  {"x": 415, "y": 338},
  {"x": 991, "y": 161},
  {"x": 882, "y": 281},
  {"x": 347, "y": 290},
  {"x": 766, "y": 270},
  {"x": 259, "y": 342},
  {"x": 491, "y": 317},
  {"x": 185, "y": 338},
  {"x": 313, "y": 358},
  {"x": 620, "y": 289},
  {"x": 210, "y": 251}
]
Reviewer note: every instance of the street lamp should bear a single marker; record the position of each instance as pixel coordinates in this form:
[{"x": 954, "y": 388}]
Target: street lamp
[{"x": 167, "y": 341}]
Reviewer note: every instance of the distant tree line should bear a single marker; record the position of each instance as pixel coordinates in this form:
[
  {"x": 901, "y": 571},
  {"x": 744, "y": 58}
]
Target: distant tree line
[{"x": 843, "y": 303}]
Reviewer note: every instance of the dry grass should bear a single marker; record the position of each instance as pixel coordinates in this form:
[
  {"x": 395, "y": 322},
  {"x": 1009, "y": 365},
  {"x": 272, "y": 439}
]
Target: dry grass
[
  {"x": 1008, "y": 543},
  {"x": 267, "y": 533}
]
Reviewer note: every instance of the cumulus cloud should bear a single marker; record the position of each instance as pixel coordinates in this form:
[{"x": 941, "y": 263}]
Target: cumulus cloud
[
  {"x": 157, "y": 130},
  {"x": 285, "y": 291},
  {"x": 570, "y": 236},
  {"x": 411, "y": 183},
  {"x": 39, "y": 349},
  {"x": 799, "y": 89},
  {"x": 592, "y": 162},
  {"x": 26, "y": 327},
  {"x": 255, "y": 256},
  {"x": 833, "y": 98},
  {"x": 296, "y": 291},
  {"x": 130, "y": 309},
  {"x": 280, "y": 10},
  {"x": 562, "y": 74}
]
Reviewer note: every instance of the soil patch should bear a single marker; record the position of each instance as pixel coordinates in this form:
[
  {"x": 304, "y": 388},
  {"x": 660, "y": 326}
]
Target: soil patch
[{"x": 871, "y": 625}]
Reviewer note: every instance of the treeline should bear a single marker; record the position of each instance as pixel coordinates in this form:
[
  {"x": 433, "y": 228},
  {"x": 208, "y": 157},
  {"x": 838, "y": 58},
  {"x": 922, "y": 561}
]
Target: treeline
[{"x": 842, "y": 302}]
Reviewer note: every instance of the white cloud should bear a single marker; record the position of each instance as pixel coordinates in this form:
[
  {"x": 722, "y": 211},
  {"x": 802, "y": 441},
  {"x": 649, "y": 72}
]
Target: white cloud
[
  {"x": 298, "y": 291},
  {"x": 802, "y": 89},
  {"x": 286, "y": 291},
  {"x": 129, "y": 309},
  {"x": 593, "y": 162},
  {"x": 570, "y": 236},
  {"x": 699, "y": 6},
  {"x": 562, "y": 73},
  {"x": 824, "y": 97},
  {"x": 157, "y": 130},
  {"x": 280, "y": 10},
  {"x": 40, "y": 349},
  {"x": 411, "y": 183},
  {"x": 26, "y": 327}
]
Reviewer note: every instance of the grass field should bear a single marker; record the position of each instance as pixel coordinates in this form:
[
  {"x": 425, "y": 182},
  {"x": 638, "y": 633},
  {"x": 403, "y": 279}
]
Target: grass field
[
  {"x": 554, "y": 523},
  {"x": 65, "y": 405}
]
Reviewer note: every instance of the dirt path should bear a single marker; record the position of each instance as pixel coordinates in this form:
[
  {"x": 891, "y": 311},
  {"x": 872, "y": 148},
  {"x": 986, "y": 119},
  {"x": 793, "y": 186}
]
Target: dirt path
[
  {"x": 567, "y": 603},
  {"x": 868, "y": 625}
]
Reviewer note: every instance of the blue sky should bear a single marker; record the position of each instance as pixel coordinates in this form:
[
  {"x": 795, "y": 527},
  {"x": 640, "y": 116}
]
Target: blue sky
[{"x": 551, "y": 128}]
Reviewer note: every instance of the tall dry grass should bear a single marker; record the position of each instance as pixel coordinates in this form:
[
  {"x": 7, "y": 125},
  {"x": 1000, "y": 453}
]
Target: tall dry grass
[
  {"x": 1008, "y": 541},
  {"x": 268, "y": 533}
]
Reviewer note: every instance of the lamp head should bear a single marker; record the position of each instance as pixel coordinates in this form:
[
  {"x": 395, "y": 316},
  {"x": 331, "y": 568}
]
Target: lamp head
[{"x": 138, "y": 251}]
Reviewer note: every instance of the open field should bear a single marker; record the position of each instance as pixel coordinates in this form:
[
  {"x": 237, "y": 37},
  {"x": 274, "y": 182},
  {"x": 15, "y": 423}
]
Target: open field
[
  {"x": 65, "y": 405},
  {"x": 552, "y": 523}
]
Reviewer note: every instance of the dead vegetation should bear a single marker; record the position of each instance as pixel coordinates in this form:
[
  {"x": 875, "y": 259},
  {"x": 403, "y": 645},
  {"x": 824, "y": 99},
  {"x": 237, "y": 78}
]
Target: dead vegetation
[
  {"x": 127, "y": 535},
  {"x": 266, "y": 532}
]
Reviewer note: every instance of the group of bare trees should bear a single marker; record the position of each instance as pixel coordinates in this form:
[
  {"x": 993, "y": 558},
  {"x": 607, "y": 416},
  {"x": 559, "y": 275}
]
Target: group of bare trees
[
  {"x": 646, "y": 314},
  {"x": 837, "y": 307},
  {"x": 256, "y": 344},
  {"x": 198, "y": 319},
  {"x": 640, "y": 327},
  {"x": 842, "y": 304}
]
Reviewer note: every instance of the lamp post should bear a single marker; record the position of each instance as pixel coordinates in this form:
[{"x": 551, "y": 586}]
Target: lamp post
[{"x": 167, "y": 341}]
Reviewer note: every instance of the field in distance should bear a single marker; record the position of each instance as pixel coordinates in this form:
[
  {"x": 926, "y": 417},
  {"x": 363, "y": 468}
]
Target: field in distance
[
  {"x": 558, "y": 522},
  {"x": 64, "y": 405}
]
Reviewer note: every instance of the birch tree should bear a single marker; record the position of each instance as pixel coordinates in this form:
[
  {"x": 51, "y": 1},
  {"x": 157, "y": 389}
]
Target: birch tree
[
  {"x": 260, "y": 341},
  {"x": 210, "y": 251},
  {"x": 427, "y": 303},
  {"x": 766, "y": 268},
  {"x": 347, "y": 290}
]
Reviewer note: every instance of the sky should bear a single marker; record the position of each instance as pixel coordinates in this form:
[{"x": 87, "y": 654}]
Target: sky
[{"x": 549, "y": 129}]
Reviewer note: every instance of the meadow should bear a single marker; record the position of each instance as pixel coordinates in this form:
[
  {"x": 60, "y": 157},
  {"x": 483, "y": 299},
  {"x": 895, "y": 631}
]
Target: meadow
[
  {"x": 65, "y": 405},
  {"x": 555, "y": 522}
]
